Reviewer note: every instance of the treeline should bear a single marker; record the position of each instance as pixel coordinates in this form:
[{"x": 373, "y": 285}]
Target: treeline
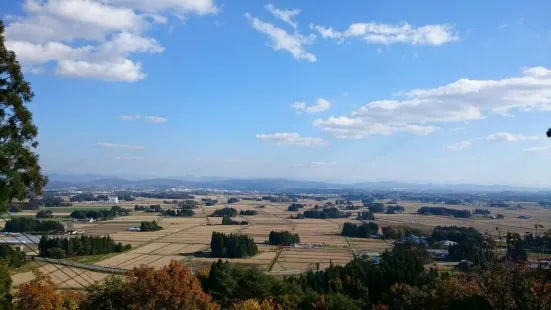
[
  {"x": 78, "y": 246},
  {"x": 399, "y": 232},
  {"x": 14, "y": 258},
  {"x": 279, "y": 199},
  {"x": 25, "y": 224},
  {"x": 444, "y": 212},
  {"x": 178, "y": 212},
  {"x": 52, "y": 201},
  {"x": 482, "y": 211},
  {"x": 150, "y": 226},
  {"x": 226, "y": 220},
  {"x": 151, "y": 208},
  {"x": 394, "y": 209},
  {"x": 224, "y": 212},
  {"x": 366, "y": 216},
  {"x": 91, "y": 197},
  {"x": 233, "y": 200},
  {"x": 470, "y": 242},
  {"x": 248, "y": 212},
  {"x": 355, "y": 286},
  {"x": 188, "y": 204},
  {"x": 209, "y": 202},
  {"x": 100, "y": 214},
  {"x": 359, "y": 231},
  {"x": 232, "y": 245},
  {"x": 44, "y": 214},
  {"x": 162, "y": 195},
  {"x": 295, "y": 207},
  {"x": 376, "y": 207},
  {"x": 325, "y": 213},
  {"x": 283, "y": 238}
]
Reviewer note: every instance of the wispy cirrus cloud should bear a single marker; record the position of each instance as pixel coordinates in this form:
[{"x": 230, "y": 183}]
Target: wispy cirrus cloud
[
  {"x": 130, "y": 117},
  {"x": 147, "y": 118},
  {"x": 285, "y": 15},
  {"x": 379, "y": 33},
  {"x": 281, "y": 40},
  {"x": 155, "y": 119},
  {"x": 293, "y": 139},
  {"x": 119, "y": 146}
]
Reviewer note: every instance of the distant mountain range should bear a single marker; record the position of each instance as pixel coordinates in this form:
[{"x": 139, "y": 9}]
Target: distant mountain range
[{"x": 261, "y": 184}]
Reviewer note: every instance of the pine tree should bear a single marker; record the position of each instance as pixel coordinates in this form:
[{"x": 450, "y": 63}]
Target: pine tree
[{"x": 19, "y": 169}]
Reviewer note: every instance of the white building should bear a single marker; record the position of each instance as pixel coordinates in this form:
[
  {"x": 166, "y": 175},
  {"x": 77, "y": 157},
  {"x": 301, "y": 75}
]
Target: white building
[{"x": 113, "y": 199}]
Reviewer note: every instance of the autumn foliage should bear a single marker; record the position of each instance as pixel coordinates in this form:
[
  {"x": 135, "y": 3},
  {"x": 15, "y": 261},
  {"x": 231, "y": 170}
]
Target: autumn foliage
[
  {"x": 40, "y": 294},
  {"x": 172, "y": 287}
]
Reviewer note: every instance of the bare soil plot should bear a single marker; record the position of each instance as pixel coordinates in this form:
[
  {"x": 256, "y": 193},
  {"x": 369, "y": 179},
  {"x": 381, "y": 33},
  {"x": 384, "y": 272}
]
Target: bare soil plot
[
  {"x": 296, "y": 259},
  {"x": 341, "y": 221},
  {"x": 182, "y": 220},
  {"x": 316, "y": 231},
  {"x": 135, "y": 218},
  {"x": 369, "y": 245},
  {"x": 62, "y": 276},
  {"x": 138, "y": 236},
  {"x": 199, "y": 234},
  {"x": 106, "y": 228},
  {"x": 261, "y": 261}
]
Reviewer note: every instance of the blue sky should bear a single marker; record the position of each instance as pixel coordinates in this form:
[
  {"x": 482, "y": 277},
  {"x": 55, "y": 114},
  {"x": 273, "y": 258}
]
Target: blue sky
[{"x": 427, "y": 91}]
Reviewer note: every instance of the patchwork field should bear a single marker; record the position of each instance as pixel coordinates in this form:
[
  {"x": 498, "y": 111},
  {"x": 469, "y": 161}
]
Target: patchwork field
[{"x": 187, "y": 239}]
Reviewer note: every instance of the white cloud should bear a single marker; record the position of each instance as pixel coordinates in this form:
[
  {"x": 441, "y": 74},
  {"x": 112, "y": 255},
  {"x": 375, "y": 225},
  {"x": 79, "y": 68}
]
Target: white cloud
[
  {"x": 155, "y": 119},
  {"x": 460, "y": 145},
  {"x": 299, "y": 106},
  {"x": 281, "y": 40},
  {"x": 539, "y": 148},
  {"x": 320, "y": 106},
  {"x": 130, "y": 117},
  {"x": 285, "y": 15},
  {"x": 30, "y": 53},
  {"x": 119, "y": 146},
  {"x": 509, "y": 137},
  {"x": 355, "y": 128},
  {"x": 460, "y": 101},
  {"x": 378, "y": 33},
  {"x": 114, "y": 31},
  {"x": 291, "y": 139},
  {"x": 179, "y": 7},
  {"x": 123, "y": 70}
]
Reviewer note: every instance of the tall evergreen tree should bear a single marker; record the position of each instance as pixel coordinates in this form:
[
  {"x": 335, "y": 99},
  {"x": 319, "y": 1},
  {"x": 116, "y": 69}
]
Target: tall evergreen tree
[{"x": 20, "y": 173}]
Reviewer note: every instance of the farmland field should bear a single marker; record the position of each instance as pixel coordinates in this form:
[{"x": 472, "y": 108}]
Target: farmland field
[{"x": 183, "y": 238}]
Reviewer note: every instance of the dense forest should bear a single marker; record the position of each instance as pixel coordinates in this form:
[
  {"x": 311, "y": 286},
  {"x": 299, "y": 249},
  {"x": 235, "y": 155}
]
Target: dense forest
[
  {"x": 15, "y": 258},
  {"x": 78, "y": 246},
  {"x": 226, "y": 220},
  {"x": 232, "y": 245},
  {"x": 359, "y": 231},
  {"x": 44, "y": 214},
  {"x": 295, "y": 207},
  {"x": 283, "y": 238},
  {"x": 151, "y": 208},
  {"x": 224, "y": 212},
  {"x": 444, "y": 212},
  {"x": 25, "y": 224},
  {"x": 325, "y": 213},
  {"x": 248, "y": 212},
  {"x": 100, "y": 214},
  {"x": 366, "y": 216},
  {"x": 150, "y": 226},
  {"x": 394, "y": 209},
  {"x": 178, "y": 212}
]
